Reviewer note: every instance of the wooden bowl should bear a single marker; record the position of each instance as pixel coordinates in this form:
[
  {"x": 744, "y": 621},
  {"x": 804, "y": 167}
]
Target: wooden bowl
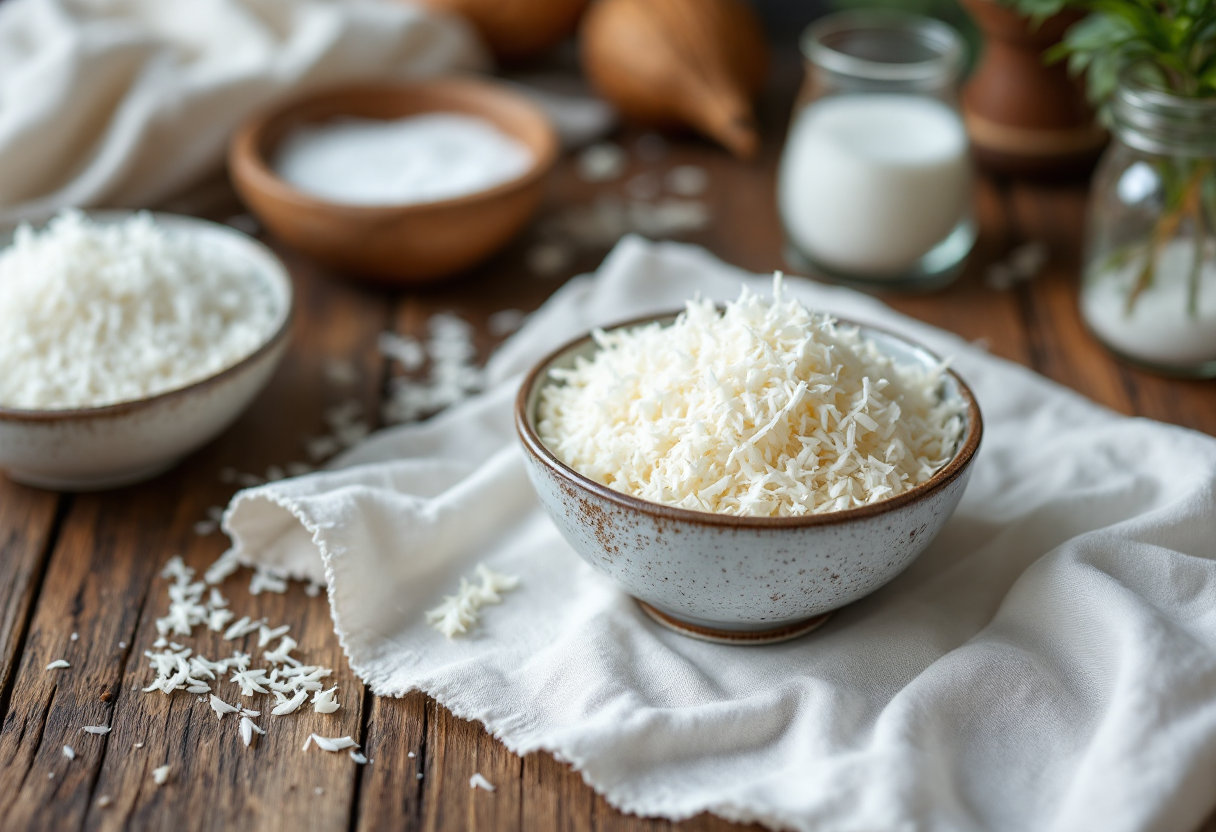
[{"x": 398, "y": 244}]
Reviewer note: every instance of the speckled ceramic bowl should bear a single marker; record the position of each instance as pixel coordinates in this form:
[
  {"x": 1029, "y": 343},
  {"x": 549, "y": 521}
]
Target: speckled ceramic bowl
[
  {"x": 92, "y": 448},
  {"x": 743, "y": 580}
]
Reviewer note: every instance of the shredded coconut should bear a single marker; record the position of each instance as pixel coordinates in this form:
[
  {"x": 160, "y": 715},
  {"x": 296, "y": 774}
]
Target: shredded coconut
[
  {"x": 330, "y": 743},
  {"x": 248, "y": 729},
  {"x": 99, "y": 313},
  {"x": 458, "y": 613},
  {"x": 160, "y": 775},
  {"x": 479, "y": 782},
  {"x": 453, "y": 376},
  {"x": 96, "y": 729},
  {"x": 221, "y": 707},
  {"x": 69, "y": 752},
  {"x": 358, "y": 758},
  {"x": 288, "y": 706},
  {"x": 761, "y": 409},
  {"x": 58, "y": 664},
  {"x": 323, "y": 701}
]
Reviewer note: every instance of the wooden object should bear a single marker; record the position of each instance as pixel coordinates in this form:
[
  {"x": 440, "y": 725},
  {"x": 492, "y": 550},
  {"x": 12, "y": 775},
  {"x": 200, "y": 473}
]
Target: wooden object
[
  {"x": 1024, "y": 116},
  {"x": 396, "y": 244},
  {"x": 90, "y": 564},
  {"x": 669, "y": 62},
  {"x": 517, "y": 29}
]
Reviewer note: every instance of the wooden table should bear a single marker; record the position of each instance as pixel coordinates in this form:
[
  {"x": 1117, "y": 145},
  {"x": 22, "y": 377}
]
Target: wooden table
[{"x": 90, "y": 563}]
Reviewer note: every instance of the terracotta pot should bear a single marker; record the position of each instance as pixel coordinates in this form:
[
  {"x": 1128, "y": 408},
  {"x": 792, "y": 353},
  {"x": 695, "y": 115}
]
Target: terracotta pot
[{"x": 1024, "y": 116}]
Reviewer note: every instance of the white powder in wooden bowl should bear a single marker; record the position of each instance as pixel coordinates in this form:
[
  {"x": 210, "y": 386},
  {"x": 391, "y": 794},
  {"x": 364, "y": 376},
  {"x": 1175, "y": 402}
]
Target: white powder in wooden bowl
[
  {"x": 405, "y": 161},
  {"x": 100, "y": 313},
  {"x": 762, "y": 409}
]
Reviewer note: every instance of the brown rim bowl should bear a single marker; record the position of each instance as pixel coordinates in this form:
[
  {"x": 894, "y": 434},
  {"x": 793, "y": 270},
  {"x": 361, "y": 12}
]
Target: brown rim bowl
[
  {"x": 107, "y": 446},
  {"x": 735, "y": 579},
  {"x": 396, "y": 244}
]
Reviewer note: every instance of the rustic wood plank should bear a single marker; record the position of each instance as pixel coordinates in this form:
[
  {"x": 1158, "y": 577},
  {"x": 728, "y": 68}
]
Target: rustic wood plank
[
  {"x": 456, "y": 750},
  {"x": 390, "y": 794},
  {"x": 27, "y": 526}
]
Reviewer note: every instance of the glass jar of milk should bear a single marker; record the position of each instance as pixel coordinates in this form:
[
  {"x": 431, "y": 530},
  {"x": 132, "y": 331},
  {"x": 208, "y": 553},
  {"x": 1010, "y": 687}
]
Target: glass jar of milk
[
  {"x": 874, "y": 186},
  {"x": 1149, "y": 292}
]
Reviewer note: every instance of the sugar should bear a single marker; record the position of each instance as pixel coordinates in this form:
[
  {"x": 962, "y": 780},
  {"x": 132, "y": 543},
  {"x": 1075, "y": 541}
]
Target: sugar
[{"x": 425, "y": 158}]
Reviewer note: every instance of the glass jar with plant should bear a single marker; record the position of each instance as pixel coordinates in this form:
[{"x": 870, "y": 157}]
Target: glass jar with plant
[{"x": 1149, "y": 291}]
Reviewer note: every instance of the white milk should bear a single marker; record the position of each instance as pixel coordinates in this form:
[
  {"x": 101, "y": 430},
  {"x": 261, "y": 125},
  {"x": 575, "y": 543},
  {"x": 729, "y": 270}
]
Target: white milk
[
  {"x": 870, "y": 183},
  {"x": 423, "y": 158},
  {"x": 1160, "y": 328}
]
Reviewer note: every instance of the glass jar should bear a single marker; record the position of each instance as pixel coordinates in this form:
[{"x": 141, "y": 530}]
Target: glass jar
[
  {"x": 1149, "y": 290},
  {"x": 875, "y": 183}
]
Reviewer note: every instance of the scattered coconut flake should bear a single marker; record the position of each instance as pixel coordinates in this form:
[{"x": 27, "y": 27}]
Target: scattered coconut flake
[
  {"x": 458, "y": 613},
  {"x": 58, "y": 664},
  {"x": 251, "y": 681},
  {"x": 312, "y": 590},
  {"x": 602, "y": 162},
  {"x": 548, "y": 259},
  {"x": 358, "y": 758},
  {"x": 267, "y": 635},
  {"x": 202, "y": 528},
  {"x": 96, "y": 729},
  {"x": 223, "y": 567},
  {"x": 160, "y": 775},
  {"x": 221, "y": 707},
  {"x": 404, "y": 349},
  {"x": 242, "y": 628},
  {"x": 264, "y": 581},
  {"x": 323, "y": 701},
  {"x": 453, "y": 374},
  {"x": 104, "y": 801},
  {"x": 339, "y": 371},
  {"x": 122, "y": 645},
  {"x": 69, "y": 752},
  {"x": 290, "y": 705},
  {"x": 248, "y": 729},
  {"x": 418, "y": 775},
  {"x": 318, "y": 791},
  {"x": 137, "y": 745},
  {"x": 199, "y": 689},
  {"x": 75, "y": 636},
  {"x": 321, "y": 447},
  {"x": 282, "y": 653},
  {"x": 1021, "y": 265},
  {"x": 218, "y": 619},
  {"x": 330, "y": 743},
  {"x": 687, "y": 180},
  {"x": 410, "y": 755},
  {"x": 505, "y": 321},
  {"x": 479, "y": 782}
]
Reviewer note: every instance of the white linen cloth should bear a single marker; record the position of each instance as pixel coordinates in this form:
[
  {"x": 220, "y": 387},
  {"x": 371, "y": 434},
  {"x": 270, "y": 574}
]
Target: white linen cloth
[
  {"x": 1048, "y": 664},
  {"x": 126, "y": 102}
]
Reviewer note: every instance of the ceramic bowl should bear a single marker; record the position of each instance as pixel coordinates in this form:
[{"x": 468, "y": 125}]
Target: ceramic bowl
[
  {"x": 105, "y": 447},
  {"x": 397, "y": 243},
  {"x": 743, "y": 580}
]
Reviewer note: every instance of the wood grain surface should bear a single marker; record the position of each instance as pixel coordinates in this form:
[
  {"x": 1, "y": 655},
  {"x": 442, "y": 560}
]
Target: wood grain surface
[{"x": 90, "y": 563}]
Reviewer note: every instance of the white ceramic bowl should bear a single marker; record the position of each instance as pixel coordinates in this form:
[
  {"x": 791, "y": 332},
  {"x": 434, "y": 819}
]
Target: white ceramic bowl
[
  {"x": 743, "y": 580},
  {"x": 105, "y": 447}
]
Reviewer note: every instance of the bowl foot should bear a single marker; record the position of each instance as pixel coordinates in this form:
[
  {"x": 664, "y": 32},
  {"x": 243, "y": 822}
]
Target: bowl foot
[
  {"x": 782, "y": 632},
  {"x": 90, "y": 482}
]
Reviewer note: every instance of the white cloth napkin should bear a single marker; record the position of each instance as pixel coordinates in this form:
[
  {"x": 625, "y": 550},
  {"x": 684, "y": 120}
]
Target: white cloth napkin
[
  {"x": 1048, "y": 664},
  {"x": 125, "y": 102}
]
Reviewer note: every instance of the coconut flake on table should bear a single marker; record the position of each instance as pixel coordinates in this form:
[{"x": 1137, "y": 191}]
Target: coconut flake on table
[
  {"x": 763, "y": 408},
  {"x": 602, "y": 162},
  {"x": 58, "y": 664},
  {"x": 406, "y": 161},
  {"x": 96, "y": 314},
  {"x": 459, "y": 613},
  {"x": 479, "y": 782}
]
